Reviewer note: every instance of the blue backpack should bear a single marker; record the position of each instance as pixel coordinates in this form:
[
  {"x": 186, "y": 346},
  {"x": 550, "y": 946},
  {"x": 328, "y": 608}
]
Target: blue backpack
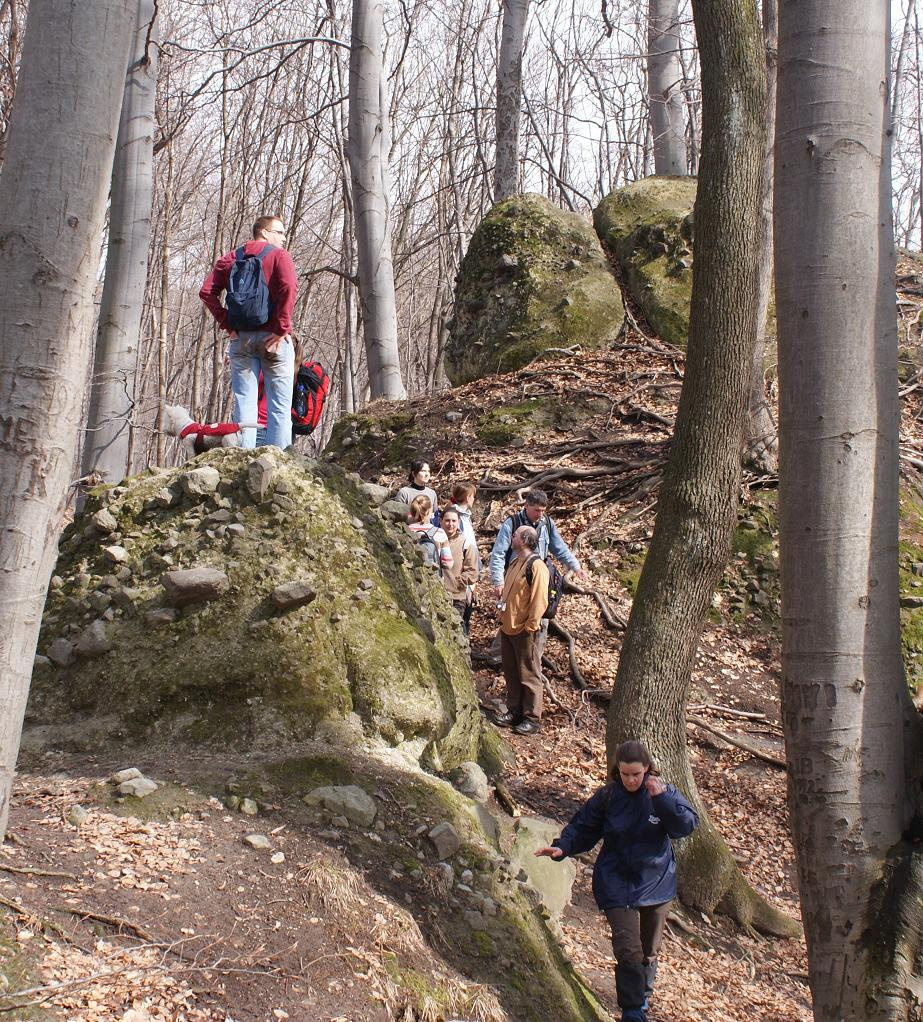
[{"x": 247, "y": 298}]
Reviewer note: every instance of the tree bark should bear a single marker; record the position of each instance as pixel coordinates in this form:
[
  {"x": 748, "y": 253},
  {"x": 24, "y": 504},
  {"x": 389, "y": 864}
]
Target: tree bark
[
  {"x": 112, "y": 386},
  {"x": 852, "y": 736},
  {"x": 368, "y": 151},
  {"x": 664, "y": 87},
  {"x": 762, "y": 435},
  {"x": 697, "y": 510},
  {"x": 509, "y": 98},
  {"x": 53, "y": 194}
]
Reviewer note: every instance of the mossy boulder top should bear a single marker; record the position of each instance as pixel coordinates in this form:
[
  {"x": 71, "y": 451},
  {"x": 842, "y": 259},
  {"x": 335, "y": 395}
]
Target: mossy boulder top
[
  {"x": 648, "y": 226},
  {"x": 533, "y": 277},
  {"x": 246, "y": 600}
]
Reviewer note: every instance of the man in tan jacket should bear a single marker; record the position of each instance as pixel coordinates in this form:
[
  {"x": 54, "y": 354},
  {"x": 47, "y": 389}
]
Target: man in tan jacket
[{"x": 523, "y": 600}]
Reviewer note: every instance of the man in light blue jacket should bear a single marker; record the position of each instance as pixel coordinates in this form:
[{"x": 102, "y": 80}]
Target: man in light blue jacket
[{"x": 549, "y": 541}]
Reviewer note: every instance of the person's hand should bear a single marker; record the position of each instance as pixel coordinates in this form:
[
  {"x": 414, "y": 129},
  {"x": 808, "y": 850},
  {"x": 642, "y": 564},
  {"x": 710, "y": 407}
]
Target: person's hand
[
  {"x": 582, "y": 574},
  {"x": 233, "y": 334},
  {"x": 654, "y": 785},
  {"x": 498, "y": 592},
  {"x": 274, "y": 343},
  {"x": 552, "y": 853}
]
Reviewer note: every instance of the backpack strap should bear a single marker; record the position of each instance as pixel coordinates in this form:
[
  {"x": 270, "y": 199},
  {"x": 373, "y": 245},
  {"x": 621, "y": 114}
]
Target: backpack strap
[
  {"x": 529, "y": 573},
  {"x": 267, "y": 248}
]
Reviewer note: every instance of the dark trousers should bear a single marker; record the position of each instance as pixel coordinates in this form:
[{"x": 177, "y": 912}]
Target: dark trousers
[
  {"x": 464, "y": 611},
  {"x": 637, "y": 932},
  {"x": 519, "y": 656}
]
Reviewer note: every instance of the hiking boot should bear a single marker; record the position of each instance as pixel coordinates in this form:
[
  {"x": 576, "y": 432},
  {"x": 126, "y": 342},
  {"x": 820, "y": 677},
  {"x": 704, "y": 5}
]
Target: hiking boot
[
  {"x": 527, "y": 727},
  {"x": 506, "y": 719}
]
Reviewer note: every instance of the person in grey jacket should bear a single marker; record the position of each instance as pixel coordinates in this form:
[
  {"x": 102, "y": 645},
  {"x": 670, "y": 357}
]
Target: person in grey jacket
[{"x": 550, "y": 541}]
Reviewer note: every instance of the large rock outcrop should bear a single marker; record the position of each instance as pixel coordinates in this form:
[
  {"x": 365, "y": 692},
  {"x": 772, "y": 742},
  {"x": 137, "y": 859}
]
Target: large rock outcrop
[
  {"x": 648, "y": 227},
  {"x": 245, "y": 600},
  {"x": 533, "y": 277}
]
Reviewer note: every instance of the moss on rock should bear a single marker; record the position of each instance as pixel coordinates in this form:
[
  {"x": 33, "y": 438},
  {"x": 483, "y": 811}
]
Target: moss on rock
[
  {"x": 380, "y": 638},
  {"x": 533, "y": 277}
]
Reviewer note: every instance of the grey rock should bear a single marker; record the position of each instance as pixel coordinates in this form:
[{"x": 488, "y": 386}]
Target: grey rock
[
  {"x": 507, "y": 262},
  {"x": 194, "y": 585},
  {"x": 104, "y": 521},
  {"x": 259, "y": 477},
  {"x": 115, "y": 553},
  {"x": 166, "y": 497},
  {"x": 160, "y": 616},
  {"x": 99, "y": 601},
  {"x": 279, "y": 500},
  {"x": 140, "y": 787},
  {"x": 157, "y": 562},
  {"x": 258, "y": 841},
  {"x": 125, "y": 596},
  {"x": 56, "y": 582},
  {"x": 552, "y": 880},
  {"x": 374, "y": 494},
  {"x": 572, "y": 264},
  {"x": 199, "y": 481},
  {"x": 41, "y": 663},
  {"x": 471, "y": 780},
  {"x": 906, "y": 601},
  {"x": 236, "y": 529},
  {"x": 282, "y": 486},
  {"x": 489, "y": 906},
  {"x": 61, "y": 652},
  {"x": 77, "y": 816},
  {"x": 357, "y": 523},
  {"x": 347, "y": 800},
  {"x": 395, "y": 510},
  {"x": 339, "y": 821},
  {"x": 474, "y": 919},
  {"x": 446, "y": 873},
  {"x": 93, "y": 641},
  {"x": 219, "y": 517},
  {"x": 128, "y": 774},
  {"x": 249, "y": 807},
  {"x": 454, "y": 416},
  {"x": 366, "y": 584},
  {"x": 445, "y": 839},
  {"x": 292, "y": 594},
  {"x": 917, "y": 567}
]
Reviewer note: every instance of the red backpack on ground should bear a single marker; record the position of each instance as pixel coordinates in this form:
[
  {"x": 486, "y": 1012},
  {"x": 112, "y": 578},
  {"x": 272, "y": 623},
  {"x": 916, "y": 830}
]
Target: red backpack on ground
[{"x": 312, "y": 384}]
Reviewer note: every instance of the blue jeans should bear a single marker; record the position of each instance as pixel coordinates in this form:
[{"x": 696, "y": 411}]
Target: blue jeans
[{"x": 248, "y": 356}]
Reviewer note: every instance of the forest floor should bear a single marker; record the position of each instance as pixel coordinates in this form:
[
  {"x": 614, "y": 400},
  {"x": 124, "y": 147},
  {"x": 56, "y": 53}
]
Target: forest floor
[{"x": 105, "y": 917}]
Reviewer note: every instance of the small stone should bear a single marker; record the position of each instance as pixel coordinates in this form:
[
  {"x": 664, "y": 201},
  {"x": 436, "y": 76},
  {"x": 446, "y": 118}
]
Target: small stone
[
  {"x": 56, "y": 582},
  {"x": 749, "y": 525},
  {"x": 140, "y": 787},
  {"x": 340, "y": 821},
  {"x": 94, "y": 641},
  {"x": 395, "y": 511},
  {"x": 105, "y": 522},
  {"x": 236, "y": 529},
  {"x": 258, "y": 841},
  {"x": 290, "y": 595},
  {"x": 466, "y": 876},
  {"x": 125, "y": 596},
  {"x": 347, "y": 800},
  {"x": 194, "y": 585},
  {"x": 158, "y": 562},
  {"x": 507, "y": 262},
  {"x": 259, "y": 477},
  {"x": 454, "y": 416},
  {"x": 116, "y": 554},
  {"x": 77, "y": 816},
  {"x": 366, "y": 584},
  {"x": 906, "y": 601},
  {"x": 249, "y": 807},
  {"x": 489, "y": 906},
  {"x": 572, "y": 264},
  {"x": 374, "y": 494},
  {"x": 474, "y": 919},
  {"x": 916, "y": 568},
  {"x": 200, "y": 481},
  {"x": 160, "y": 616},
  {"x": 282, "y": 486},
  {"x": 471, "y": 780},
  {"x": 277, "y": 858},
  {"x": 61, "y": 652},
  {"x": 41, "y": 663},
  {"x": 99, "y": 601},
  {"x": 219, "y": 517},
  {"x": 445, "y": 873},
  {"x": 128, "y": 774},
  {"x": 165, "y": 497},
  {"x": 445, "y": 840}
]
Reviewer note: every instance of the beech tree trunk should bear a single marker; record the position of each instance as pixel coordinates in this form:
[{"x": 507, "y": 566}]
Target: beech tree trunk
[
  {"x": 664, "y": 87},
  {"x": 53, "y": 193},
  {"x": 697, "y": 510},
  {"x": 762, "y": 435},
  {"x": 509, "y": 98},
  {"x": 853, "y": 738},
  {"x": 118, "y": 341},
  {"x": 368, "y": 151}
]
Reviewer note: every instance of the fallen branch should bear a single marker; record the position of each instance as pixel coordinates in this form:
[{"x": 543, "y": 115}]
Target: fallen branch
[
  {"x": 29, "y": 871},
  {"x": 506, "y": 800},
  {"x": 114, "y": 921},
  {"x": 737, "y": 742},
  {"x": 613, "y": 620},
  {"x": 727, "y": 711},
  {"x": 555, "y": 628}
]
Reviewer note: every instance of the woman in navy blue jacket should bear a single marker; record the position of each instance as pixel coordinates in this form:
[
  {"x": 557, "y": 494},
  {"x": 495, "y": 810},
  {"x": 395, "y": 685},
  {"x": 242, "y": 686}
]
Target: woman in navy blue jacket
[{"x": 634, "y": 879}]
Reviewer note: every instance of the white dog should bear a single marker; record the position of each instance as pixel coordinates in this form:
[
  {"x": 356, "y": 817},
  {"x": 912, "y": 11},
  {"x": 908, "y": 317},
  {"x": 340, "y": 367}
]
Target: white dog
[{"x": 198, "y": 436}]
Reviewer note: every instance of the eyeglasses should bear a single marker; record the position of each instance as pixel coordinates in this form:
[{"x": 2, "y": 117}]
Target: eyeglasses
[{"x": 274, "y": 231}]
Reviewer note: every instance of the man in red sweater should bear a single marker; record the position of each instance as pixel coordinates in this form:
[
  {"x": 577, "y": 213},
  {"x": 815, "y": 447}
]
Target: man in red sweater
[{"x": 269, "y": 348}]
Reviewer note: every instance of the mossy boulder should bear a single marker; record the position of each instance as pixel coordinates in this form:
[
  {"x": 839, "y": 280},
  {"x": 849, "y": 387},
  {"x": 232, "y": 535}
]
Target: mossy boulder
[
  {"x": 648, "y": 226},
  {"x": 379, "y": 642},
  {"x": 534, "y": 277}
]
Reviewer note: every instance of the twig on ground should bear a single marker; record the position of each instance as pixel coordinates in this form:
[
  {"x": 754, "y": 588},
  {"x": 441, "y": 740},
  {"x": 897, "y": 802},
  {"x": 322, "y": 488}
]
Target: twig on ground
[
  {"x": 613, "y": 620},
  {"x": 115, "y": 921},
  {"x": 506, "y": 800},
  {"x": 728, "y": 711},
  {"x": 556, "y": 628},
  {"x": 737, "y": 742},
  {"x": 30, "y": 871}
]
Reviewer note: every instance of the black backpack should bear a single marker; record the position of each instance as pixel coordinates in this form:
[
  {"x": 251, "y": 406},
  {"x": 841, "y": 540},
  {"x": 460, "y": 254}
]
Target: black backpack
[
  {"x": 247, "y": 298},
  {"x": 555, "y": 583}
]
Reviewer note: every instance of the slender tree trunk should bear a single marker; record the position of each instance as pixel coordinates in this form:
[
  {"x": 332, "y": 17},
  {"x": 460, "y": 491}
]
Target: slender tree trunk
[
  {"x": 118, "y": 341},
  {"x": 763, "y": 440},
  {"x": 664, "y": 87},
  {"x": 853, "y": 737},
  {"x": 53, "y": 194},
  {"x": 368, "y": 151},
  {"x": 697, "y": 510},
  {"x": 509, "y": 98},
  {"x": 164, "y": 304}
]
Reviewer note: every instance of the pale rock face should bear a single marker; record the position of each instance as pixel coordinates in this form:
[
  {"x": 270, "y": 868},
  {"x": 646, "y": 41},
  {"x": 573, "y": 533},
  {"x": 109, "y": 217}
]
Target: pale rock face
[{"x": 347, "y": 800}]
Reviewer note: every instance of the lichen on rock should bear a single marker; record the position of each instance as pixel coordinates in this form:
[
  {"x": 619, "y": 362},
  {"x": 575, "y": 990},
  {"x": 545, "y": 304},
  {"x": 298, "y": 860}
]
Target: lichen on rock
[{"x": 534, "y": 277}]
